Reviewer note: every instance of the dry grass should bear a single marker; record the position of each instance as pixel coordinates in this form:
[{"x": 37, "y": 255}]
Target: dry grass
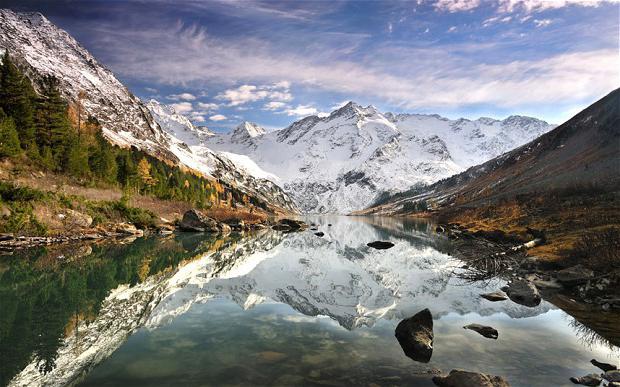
[{"x": 564, "y": 218}]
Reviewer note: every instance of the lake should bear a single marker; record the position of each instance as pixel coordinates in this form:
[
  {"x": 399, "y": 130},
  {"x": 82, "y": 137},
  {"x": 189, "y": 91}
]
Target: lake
[{"x": 271, "y": 308}]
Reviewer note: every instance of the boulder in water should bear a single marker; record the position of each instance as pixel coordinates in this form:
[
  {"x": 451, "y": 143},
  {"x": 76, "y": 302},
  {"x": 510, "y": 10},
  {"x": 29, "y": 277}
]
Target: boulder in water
[
  {"x": 415, "y": 336},
  {"x": 196, "y": 221},
  {"x": 588, "y": 380},
  {"x": 495, "y": 296},
  {"x": 380, "y": 245},
  {"x": 486, "y": 331},
  {"x": 604, "y": 366},
  {"x": 460, "y": 378},
  {"x": 523, "y": 292}
]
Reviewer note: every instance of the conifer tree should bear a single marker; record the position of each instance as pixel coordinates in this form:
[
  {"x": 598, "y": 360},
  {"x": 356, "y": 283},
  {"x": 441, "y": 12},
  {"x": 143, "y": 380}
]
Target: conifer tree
[
  {"x": 9, "y": 140},
  {"x": 17, "y": 100},
  {"x": 52, "y": 122}
]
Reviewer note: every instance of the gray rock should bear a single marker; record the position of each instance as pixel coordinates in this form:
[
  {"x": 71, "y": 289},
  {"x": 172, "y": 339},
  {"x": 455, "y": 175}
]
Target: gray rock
[
  {"x": 460, "y": 378},
  {"x": 523, "y": 292},
  {"x": 128, "y": 229},
  {"x": 612, "y": 376},
  {"x": 604, "y": 366},
  {"x": 235, "y": 224},
  {"x": 495, "y": 296},
  {"x": 415, "y": 336},
  {"x": 588, "y": 380},
  {"x": 194, "y": 220},
  {"x": 486, "y": 331},
  {"x": 77, "y": 219},
  {"x": 574, "y": 275}
]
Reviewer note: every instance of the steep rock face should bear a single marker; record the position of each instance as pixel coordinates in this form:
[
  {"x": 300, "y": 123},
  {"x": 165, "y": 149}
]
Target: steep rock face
[
  {"x": 40, "y": 48},
  {"x": 342, "y": 162}
]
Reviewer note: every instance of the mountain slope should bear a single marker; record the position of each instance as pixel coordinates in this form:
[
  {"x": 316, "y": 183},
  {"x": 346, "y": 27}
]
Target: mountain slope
[
  {"x": 40, "y": 48},
  {"x": 583, "y": 152},
  {"x": 340, "y": 163}
]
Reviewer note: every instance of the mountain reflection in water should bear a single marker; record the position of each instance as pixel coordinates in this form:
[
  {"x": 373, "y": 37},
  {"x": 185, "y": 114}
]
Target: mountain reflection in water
[{"x": 273, "y": 300}]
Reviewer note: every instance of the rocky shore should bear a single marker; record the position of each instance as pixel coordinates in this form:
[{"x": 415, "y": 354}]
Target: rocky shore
[
  {"x": 192, "y": 221},
  {"x": 504, "y": 255}
]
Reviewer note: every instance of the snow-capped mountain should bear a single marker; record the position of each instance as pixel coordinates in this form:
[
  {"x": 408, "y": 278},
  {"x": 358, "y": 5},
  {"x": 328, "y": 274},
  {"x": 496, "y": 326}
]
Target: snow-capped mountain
[
  {"x": 40, "y": 48},
  {"x": 342, "y": 162},
  {"x": 177, "y": 125}
]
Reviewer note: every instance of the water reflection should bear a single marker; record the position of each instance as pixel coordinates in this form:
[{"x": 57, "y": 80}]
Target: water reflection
[{"x": 268, "y": 307}]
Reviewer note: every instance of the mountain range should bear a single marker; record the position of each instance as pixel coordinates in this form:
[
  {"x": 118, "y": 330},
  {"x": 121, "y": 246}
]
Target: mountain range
[
  {"x": 342, "y": 162},
  {"x": 581, "y": 155},
  {"x": 40, "y": 48}
]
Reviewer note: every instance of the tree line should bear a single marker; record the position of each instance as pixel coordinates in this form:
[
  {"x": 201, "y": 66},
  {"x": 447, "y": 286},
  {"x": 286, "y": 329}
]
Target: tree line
[{"x": 43, "y": 128}]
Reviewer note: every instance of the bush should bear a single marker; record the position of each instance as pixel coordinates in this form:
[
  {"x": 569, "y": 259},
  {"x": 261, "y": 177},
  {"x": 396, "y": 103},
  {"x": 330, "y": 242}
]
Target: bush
[
  {"x": 11, "y": 193},
  {"x": 598, "y": 250}
]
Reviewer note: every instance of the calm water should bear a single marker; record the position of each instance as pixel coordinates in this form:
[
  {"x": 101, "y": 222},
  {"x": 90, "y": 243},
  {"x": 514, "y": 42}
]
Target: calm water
[{"x": 275, "y": 309}]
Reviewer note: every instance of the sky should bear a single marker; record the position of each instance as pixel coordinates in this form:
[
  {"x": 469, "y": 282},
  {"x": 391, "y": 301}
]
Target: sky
[{"x": 272, "y": 62}]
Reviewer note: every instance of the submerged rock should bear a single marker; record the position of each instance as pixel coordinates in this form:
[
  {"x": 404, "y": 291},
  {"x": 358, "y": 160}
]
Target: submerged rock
[
  {"x": 495, "y": 296},
  {"x": 380, "y": 245},
  {"x": 194, "y": 220},
  {"x": 486, "y": 331},
  {"x": 588, "y": 380},
  {"x": 289, "y": 225},
  {"x": 612, "y": 376},
  {"x": 523, "y": 292},
  {"x": 604, "y": 366},
  {"x": 415, "y": 336},
  {"x": 460, "y": 378}
]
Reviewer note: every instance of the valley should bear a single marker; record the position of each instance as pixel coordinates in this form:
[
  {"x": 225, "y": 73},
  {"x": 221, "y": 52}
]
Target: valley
[{"x": 166, "y": 237}]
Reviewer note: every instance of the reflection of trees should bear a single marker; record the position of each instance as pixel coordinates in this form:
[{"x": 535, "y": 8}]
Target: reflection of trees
[
  {"x": 590, "y": 338},
  {"x": 37, "y": 302}
]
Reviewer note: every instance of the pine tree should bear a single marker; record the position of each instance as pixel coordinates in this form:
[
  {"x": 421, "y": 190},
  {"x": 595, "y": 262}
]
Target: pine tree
[
  {"x": 17, "y": 100},
  {"x": 53, "y": 126},
  {"x": 9, "y": 140},
  {"x": 77, "y": 160}
]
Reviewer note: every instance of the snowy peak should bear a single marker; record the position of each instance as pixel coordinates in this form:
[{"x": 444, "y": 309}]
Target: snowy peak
[
  {"x": 247, "y": 130},
  {"x": 341, "y": 162},
  {"x": 177, "y": 125}
]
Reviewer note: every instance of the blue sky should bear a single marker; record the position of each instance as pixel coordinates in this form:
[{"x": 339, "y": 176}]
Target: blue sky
[{"x": 272, "y": 62}]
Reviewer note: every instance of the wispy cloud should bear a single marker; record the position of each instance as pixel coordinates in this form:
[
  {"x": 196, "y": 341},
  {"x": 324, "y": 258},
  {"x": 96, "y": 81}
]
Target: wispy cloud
[
  {"x": 437, "y": 77},
  {"x": 182, "y": 97},
  {"x": 542, "y": 22},
  {"x": 456, "y": 5}
]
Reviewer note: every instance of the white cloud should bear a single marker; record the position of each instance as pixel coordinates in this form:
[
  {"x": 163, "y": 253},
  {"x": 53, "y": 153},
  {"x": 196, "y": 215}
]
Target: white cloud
[
  {"x": 301, "y": 111},
  {"x": 207, "y": 106},
  {"x": 456, "y": 5},
  {"x": 251, "y": 93},
  {"x": 217, "y": 117},
  {"x": 390, "y": 27},
  {"x": 182, "y": 97},
  {"x": 150, "y": 89},
  {"x": 542, "y": 22},
  {"x": 182, "y": 107},
  {"x": 439, "y": 77},
  {"x": 507, "y": 6},
  {"x": 452, "y": 29},
  {"x": 198, "y": 118},
  {"x": 530, "y": 6},
  {"x": 274, "y": 105}
]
